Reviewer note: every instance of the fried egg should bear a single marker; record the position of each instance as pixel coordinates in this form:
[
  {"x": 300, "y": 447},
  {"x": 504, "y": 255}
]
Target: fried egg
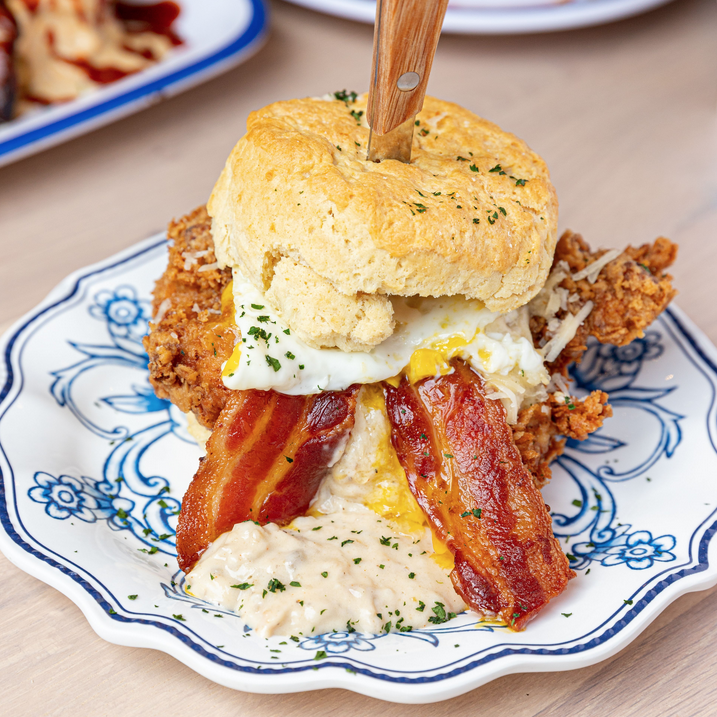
[{"x": 429, "y": 332}]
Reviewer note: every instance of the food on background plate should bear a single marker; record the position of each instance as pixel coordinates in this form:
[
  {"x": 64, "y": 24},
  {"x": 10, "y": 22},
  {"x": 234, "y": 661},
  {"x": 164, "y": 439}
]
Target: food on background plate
[
  {"x": 376, "y": 356},
  {"x": 56, "y": 50}
]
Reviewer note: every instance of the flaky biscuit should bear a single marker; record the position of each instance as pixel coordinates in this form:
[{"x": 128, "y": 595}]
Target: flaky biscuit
[{"x": 474, "y": 213}]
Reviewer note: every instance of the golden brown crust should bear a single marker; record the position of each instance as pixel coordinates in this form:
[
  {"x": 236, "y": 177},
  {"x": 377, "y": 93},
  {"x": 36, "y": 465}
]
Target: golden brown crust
[
  {"x": 474, "y": 212},
  {"x": 192, "y": 339},
  {"x": 542, "y": 429},
  {"x": 630, "y": 292}
]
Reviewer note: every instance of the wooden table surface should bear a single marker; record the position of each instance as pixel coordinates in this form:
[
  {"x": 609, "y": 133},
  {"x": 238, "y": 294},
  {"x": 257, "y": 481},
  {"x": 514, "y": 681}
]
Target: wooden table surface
[{"x": 626, "y": 117}]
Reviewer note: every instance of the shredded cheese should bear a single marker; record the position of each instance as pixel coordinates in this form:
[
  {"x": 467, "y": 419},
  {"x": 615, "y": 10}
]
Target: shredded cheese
[
  {"x": 592, "y": 270},
  {"x": 568, "y": 328}
]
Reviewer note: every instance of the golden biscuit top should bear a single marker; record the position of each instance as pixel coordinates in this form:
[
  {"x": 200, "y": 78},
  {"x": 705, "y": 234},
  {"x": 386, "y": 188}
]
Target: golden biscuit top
[{"x": 474, "y": 213}]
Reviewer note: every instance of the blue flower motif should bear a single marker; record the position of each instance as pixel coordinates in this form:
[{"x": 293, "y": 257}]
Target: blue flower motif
[
  {"x": 125, "y": 314},
  {"x": 337, "y": 643},
  {"x": 611, "y": 368},
  {"x": 641, "y": 550},
  {"x": 66, "y": 496}
]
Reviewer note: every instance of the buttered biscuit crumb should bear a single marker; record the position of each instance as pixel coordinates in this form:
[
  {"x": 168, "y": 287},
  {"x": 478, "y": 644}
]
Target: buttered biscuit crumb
[{"x": 324, "y": 317}]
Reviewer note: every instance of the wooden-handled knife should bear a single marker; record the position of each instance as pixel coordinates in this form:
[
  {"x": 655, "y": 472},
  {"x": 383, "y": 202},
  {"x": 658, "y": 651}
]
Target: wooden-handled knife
[{"x": 404, "y": 43}]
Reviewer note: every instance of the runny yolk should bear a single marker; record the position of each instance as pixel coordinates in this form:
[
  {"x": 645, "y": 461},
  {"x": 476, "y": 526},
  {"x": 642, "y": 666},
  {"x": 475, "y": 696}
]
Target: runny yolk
[
  {"x": 434, "y": 361},
  {"x": 232, "y": 363},
  {"x": 391, "y": 497}
]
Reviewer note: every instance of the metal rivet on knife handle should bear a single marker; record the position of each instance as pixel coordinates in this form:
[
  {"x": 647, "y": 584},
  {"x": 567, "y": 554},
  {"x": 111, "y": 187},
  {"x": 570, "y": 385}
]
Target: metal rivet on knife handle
[{"x": 408, "y": 81}]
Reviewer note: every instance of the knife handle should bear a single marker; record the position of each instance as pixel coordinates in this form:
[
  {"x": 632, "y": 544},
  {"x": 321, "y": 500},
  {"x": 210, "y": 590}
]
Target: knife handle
[{"x": 404, "y": 41}]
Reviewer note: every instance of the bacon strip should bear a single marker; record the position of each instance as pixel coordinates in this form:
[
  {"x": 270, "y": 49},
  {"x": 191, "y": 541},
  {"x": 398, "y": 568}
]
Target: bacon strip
[
  {"x": 265, "y": 460},
  {"x": 466, "y": 474}
]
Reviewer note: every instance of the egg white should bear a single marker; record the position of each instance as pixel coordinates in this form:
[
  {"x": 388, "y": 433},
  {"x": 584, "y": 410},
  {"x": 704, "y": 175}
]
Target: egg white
[{"x": 270, "y": 356}]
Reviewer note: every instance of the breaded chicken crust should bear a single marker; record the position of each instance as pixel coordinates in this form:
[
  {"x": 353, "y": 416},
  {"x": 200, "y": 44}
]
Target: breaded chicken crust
[
  {"x": 543, "y": 429},
  {"x": 630, "y": 292},
  {"x": 192, "y": 338}
]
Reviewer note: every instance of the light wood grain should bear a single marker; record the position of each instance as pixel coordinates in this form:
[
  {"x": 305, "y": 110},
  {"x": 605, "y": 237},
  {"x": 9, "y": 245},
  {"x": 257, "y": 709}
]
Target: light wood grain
[
  {"x": 407, "y": 33},
  {"x": 624, "y": 115}
]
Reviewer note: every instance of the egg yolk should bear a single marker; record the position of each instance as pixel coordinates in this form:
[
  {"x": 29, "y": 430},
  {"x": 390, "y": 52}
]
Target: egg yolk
[
  {"x": 228, "y": 302},
  {"x": 391, "y": 497}
]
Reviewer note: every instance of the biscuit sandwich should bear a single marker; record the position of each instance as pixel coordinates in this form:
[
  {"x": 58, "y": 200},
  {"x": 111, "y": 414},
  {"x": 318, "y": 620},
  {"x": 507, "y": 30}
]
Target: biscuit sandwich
[{"x": 375, "y": 356}]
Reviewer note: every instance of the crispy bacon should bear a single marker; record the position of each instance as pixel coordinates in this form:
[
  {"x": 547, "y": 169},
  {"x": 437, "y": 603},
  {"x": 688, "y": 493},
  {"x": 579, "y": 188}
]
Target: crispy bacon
[
  {"x": 466, "y": 474},
  {"x": 265, "y": 461}
]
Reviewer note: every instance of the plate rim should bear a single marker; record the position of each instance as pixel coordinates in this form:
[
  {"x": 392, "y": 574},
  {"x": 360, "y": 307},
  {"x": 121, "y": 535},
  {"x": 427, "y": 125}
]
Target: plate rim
[
  {"x": 493, "y": 21},
  {"x": 117, "y": 106},
  {"x": 698, "y": 574}
]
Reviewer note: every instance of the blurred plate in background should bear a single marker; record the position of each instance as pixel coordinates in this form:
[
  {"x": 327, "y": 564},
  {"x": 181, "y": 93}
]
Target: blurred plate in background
[
  {"x": 502, "y": 17},
  {"x": 217, "y": 35}
]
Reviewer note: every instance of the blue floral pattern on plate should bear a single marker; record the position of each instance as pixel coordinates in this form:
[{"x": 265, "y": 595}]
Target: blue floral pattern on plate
[{"x": 92, "y": 391}]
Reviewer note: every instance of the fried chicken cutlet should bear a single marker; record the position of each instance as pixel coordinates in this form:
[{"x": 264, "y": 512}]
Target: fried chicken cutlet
[{"x": 193, "y": 334}]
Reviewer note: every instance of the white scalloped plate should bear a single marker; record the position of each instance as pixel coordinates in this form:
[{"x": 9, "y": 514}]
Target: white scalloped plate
[
  {"x": 217, "y": 35},
  {"x": 635, "y": 505},
  {"x": 501, "y": 17}
]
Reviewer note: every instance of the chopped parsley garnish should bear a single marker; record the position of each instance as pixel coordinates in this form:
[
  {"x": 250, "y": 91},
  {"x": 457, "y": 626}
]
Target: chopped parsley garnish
[
  {"x": 289, "y": 355},
  {"x": 497, "y": 169},
  {"x": 295, "y": 584},
  {"x": 357, "y": 115},
  {"x": 320, "y": 655},
  {"x": 287, "y": 332},
  {"x": 179, "y": 617},
  {"x": 440, "y": 615},
  {"x": 345, "y": 542},
  {"x": 258, "y": 307},
  {"x": 132, "y": 597},
  {"x": 385, "y": 541},
  {"x": 121, "y": 514},
  {"x": 274, "y": 586},
  {"x": 570, "y": 556},
  {"x": 627, "y": 602},
  {"x": 357, "y": 561},
  {"x": 264, "y": 319},
  {"x": 345, "y": 96},
  {"x": 243, "y": 586},
  {"x": 566, "y": 614},
  {"x": 473, "y": 168},
  {"x": 476, "y": 221},
  {"x": 420, "y": 207},
  {"x": 461, "y": 159},
  {"x": 324, "y": 574},
  {"x": 411, "y": 576},
  {"x": 258, "y": 333},
  {"x": 578, "y": 503},
  {"x": 421, "y": 606},
  {"x": 289, "y": 460},
  {"x": 274, "y": 363}
]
